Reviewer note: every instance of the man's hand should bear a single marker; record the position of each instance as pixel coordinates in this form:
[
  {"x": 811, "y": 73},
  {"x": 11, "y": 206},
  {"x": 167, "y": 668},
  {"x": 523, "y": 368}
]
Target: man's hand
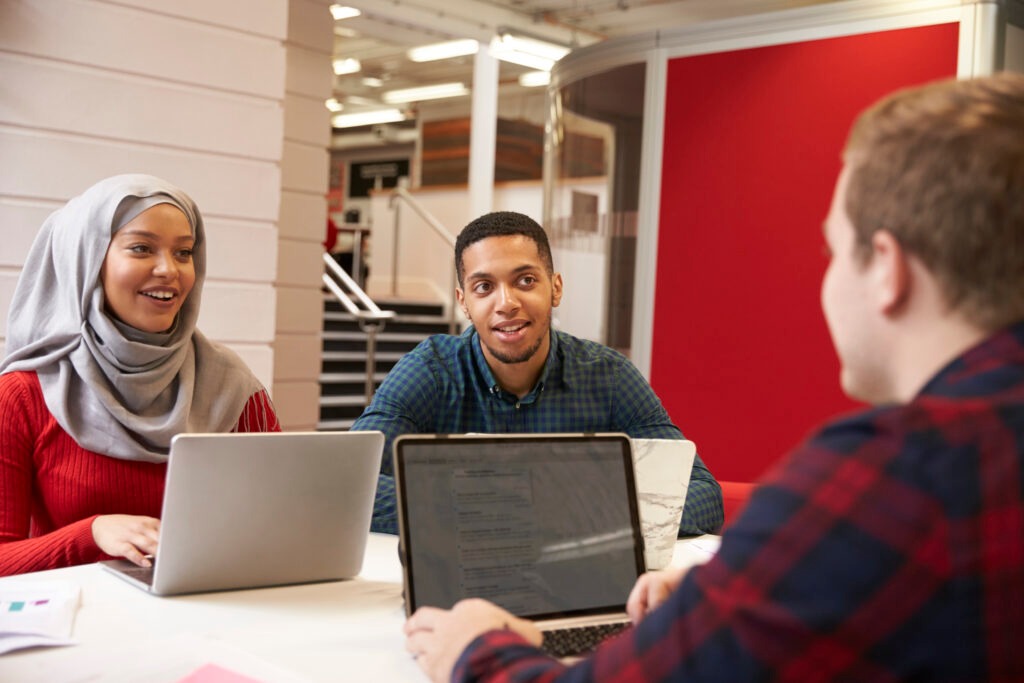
[
  {"x": 132, "y": 537},
  {"x": 437, "y": 637},
  {"x": 651, "y": 590}
]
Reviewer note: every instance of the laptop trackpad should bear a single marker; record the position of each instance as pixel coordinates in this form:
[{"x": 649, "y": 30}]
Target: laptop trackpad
[{"x": 130, "y": 571}]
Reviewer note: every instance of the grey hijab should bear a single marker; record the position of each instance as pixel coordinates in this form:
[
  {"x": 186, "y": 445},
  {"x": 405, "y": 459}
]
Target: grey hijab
[{"x": 114, "y": 389}]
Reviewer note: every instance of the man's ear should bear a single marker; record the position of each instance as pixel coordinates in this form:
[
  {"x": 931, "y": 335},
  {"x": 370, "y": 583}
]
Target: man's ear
[
  {"x": 556, "y": 290},
  {"x": 460, "y": 296},
  {"x": 891, "y": 275}
]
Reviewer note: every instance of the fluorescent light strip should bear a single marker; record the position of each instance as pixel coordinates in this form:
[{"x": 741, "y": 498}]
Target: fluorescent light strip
[
  {"x": 367, "y": 118},
  {"x": 428, "y": 92},
  {"x": 520, "y": 58},
  {"x": 446, "y": 50},
  {"x": 531, "y": 46},
  {"x": 534, "y": 79},
  {"x": 346, "y": 66},
  {"x": 334, "y": 105},
  {"x": 340, "y": 12}
]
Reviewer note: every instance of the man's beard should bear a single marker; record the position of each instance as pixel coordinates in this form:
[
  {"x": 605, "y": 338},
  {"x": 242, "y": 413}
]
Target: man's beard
[{"x": 509, "y": 359}]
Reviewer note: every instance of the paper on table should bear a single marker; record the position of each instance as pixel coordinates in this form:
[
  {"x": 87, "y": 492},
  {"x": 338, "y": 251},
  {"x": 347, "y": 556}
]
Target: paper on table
[
  {"x": 708, "y": 544},
  {"x": 34, "y": 613}
]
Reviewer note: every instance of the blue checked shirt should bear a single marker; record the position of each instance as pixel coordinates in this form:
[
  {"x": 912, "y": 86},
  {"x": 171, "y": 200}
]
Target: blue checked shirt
[{"x": 444, "y": 386}]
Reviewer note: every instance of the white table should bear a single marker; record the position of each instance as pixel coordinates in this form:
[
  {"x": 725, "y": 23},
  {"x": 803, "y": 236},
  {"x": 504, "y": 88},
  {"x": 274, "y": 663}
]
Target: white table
[{"x": 343, "y": 630}]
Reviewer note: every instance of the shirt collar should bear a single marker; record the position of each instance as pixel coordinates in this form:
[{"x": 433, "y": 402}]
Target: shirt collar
[
  {"x": 966, "y": 374},
  {"x": 552, "y": 370}
]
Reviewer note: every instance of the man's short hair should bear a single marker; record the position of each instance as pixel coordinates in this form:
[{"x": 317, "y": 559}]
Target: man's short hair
[
  {"x": 941, "y": 167},
  {"x": 501, "y": 224}
]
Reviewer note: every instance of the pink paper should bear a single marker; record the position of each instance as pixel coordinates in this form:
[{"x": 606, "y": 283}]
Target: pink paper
[{"x": 211, "y": 673}]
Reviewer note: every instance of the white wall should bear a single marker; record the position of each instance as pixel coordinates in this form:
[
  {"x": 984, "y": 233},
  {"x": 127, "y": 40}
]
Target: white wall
[{"x": 193, "y": 92}]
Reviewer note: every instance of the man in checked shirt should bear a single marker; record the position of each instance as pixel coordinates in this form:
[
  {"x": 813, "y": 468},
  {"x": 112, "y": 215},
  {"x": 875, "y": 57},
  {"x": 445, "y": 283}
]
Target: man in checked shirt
[
  {"x": 510, "y": 372},
  {"x": 890, "y": 546}
]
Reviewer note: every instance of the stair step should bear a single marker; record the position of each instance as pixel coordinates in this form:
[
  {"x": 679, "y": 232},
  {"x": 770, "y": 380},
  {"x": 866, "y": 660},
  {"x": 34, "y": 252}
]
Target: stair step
[
  {"x": 336, "y": 401},
  {"x": 332, "y": 367},
  {"x": 342, "y": 356},
  {"x": 335, "y": 425},
  {"x": 416, "y": 319},
  {"x": 423, "y": 330},
  {"x": 340, "y": 412},
  {"x": 343, "y": 361},
  {"x": 399, "y": 307},
  {"x": 341, "y": 377},
  {"x": 382, "y": 337}
]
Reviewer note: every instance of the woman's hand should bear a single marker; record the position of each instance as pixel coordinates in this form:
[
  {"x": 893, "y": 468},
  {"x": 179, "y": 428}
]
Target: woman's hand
[
  {"x": 651, "y": 590},
  {"x": 132, "y": 537}
]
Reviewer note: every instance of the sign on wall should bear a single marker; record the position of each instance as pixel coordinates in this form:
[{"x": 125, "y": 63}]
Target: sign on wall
[{"x": 369, "y": 175}]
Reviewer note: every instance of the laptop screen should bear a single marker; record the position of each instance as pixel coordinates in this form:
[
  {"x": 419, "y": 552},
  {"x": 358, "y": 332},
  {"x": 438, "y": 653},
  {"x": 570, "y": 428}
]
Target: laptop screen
[{"x": 543, "y": 526}]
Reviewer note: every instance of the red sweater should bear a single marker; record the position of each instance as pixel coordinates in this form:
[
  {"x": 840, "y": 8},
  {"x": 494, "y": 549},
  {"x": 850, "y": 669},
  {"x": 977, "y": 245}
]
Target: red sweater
[{"x": 51, "y": 489}]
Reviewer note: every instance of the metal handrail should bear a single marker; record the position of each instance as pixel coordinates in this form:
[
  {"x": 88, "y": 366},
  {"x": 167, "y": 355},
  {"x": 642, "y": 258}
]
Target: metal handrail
[
  {"x": 371, "y": 318},
  {"x": 442, "y": 232},
  {"x": 439, "y": 230}
]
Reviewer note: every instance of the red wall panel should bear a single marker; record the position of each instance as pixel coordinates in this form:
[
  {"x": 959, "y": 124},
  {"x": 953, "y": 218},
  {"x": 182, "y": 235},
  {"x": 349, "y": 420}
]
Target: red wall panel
[{"x": 741, "y": 356}]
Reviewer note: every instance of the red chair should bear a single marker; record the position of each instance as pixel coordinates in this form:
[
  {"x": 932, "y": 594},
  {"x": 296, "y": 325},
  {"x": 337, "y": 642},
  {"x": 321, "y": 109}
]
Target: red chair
[{"x": 734, "y": 497}]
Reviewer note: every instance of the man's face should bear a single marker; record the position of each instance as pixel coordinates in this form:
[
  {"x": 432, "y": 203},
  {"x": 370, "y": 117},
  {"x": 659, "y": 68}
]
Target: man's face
[
  {"x": 846, "y": 300},
  {"x": 507, "y": 293}
]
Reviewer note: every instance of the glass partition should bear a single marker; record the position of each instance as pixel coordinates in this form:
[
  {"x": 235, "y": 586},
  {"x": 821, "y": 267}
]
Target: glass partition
[{"x": 590, "y": 199}]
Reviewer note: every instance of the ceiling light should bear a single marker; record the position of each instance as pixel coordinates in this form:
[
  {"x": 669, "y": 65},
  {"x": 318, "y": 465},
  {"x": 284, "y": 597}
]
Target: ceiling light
[
  {"x": 340, "y": 12},
  {"x": 528, "y": 52},
  {"x": 520, "y": 58},
  {"x": 427, "y": 92},
  {"x": 346, "y": 66},
  {"x": 533, "y": 46},
  {"x": 371, "y": 82},
  {"x": 533, "y": 79},
  {"x": 446, "y": 50},
  {"x": 334, "y": 105},
  {"x": 367, "y": 118}
]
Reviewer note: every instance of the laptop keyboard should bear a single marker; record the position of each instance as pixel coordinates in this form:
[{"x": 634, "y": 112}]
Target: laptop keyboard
[
  {"x": 143, "y": 574},
  {"x": 566, "y": 642}
]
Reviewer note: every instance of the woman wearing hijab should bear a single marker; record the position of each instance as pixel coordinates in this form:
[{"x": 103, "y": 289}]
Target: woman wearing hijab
[{"x": 104, "y": 366}]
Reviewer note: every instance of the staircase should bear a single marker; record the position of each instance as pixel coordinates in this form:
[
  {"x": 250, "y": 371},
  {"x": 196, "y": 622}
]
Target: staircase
[{"x": 343, "y": 369}]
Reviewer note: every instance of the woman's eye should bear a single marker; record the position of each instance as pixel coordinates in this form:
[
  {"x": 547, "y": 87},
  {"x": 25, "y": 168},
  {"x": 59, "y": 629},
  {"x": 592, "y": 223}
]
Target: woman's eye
[
  {"x": 185, "y": 254},
  {"x": 139, "y": 249}
]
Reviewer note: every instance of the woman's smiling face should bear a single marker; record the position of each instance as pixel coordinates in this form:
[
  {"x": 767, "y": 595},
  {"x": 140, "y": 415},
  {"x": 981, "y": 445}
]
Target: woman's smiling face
[{"x": 148, "y": 271}]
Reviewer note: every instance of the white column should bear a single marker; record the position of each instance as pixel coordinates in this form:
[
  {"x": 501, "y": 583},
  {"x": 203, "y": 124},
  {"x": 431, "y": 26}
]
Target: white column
[
  {"x": 305, "y": 180},
  {"x": 483, "y": 133},
  {"x": 982, "y": 40}
]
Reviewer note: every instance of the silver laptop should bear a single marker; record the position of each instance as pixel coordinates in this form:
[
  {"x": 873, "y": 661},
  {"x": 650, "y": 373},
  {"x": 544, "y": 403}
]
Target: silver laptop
[
  {"x": 255, "y": 510},
  {"x": 544, "y": 525}
]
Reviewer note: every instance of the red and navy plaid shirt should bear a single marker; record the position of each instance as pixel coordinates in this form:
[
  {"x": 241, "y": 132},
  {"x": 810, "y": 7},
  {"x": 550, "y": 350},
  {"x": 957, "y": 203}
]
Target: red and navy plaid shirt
[{"x": 888, "y": 547}]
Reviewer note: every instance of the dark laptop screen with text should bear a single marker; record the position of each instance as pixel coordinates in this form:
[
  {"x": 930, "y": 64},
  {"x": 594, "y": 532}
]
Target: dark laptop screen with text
[{"x": 540, "y": 526}]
